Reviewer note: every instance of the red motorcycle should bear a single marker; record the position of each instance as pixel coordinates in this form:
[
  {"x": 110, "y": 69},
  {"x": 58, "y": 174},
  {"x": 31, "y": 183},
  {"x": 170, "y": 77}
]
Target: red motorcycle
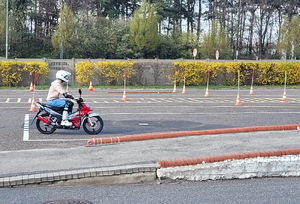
[{"x": 49, "y": 118}]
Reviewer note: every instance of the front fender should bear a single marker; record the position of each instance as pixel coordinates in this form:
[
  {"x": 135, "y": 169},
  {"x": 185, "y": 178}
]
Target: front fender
[
  {"x": 92, "y": 114},
  {"x": 89, "y": 115}
]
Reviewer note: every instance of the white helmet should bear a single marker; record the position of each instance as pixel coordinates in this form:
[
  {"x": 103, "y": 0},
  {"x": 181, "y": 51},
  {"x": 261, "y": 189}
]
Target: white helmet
[{"x": 63, "y": 75}]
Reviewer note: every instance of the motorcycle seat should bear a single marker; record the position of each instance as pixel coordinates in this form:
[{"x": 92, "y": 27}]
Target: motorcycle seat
[
  {"x": 52, "y": 107},
  {"x": 55, "y": 108}
]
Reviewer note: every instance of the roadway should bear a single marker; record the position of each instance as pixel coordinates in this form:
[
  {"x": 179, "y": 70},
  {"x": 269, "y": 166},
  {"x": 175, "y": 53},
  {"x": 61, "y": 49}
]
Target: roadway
[{"x": 147, "y": 113}]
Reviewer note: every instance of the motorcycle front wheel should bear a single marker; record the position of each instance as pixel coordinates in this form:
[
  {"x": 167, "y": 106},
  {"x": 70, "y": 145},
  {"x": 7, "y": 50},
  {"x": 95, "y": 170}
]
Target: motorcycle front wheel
[
  {"x": 44, "y": 128},
  {"x": 93, "y": 125}
]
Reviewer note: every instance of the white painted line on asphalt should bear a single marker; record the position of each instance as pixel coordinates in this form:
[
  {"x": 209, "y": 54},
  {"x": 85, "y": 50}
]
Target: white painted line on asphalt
[
  {"x": 29, "y": 100},
  {"x": 26, "y": 128},
  {"x": 231, "y": 113},
  {"x": 41, "y": 100},
  {"x": 143, "y": 124},
  {"x": 58, "y": 140},
  {"x": 142, "y": 113},
  {"x": 19, "y": 100},
  {"x": 7, "y": 100}
]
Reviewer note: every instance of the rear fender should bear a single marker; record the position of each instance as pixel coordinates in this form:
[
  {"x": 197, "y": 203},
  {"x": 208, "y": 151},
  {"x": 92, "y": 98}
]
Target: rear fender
[{"x": 40, "y": 110}]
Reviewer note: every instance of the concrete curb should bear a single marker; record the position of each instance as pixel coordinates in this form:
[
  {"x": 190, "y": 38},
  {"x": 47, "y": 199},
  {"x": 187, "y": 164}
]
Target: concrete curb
[
  {"x": 284, "y": 166},
  {"x": 104, "y": 175},
  {"x": 234, "y": 166},
  {"x": 141, "y": 137},
  {"x": 220, "y": 158}
]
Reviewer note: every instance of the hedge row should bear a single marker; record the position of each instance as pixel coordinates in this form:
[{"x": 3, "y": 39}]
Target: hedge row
[
  {"x": 195, "y": 73},
  {"x": 13, "y": 73},
  {"x": 265, "y": 73}
]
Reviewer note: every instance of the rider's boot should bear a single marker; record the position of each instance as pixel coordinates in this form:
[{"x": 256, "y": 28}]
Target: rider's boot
[{"x": 65, "y": 121}]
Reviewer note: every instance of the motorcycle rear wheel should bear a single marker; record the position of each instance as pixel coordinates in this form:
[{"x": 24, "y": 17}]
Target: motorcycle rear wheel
[
  {"x": 95, "y": 127},
  {"x": 44, "y": 128}
]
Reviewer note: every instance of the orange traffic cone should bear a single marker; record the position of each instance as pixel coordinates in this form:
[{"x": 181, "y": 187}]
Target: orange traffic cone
[
  {"x": 33, "y": 106},
  {"x": 238, "y": 101},
  {"x": 124, "y": 96},
  {"x": 251, "y": 90},
  {"x": 174, "y": 89},
  {"x": 284, "y": 96},
  {"x": 183, "y": 90},
  {"x": 206, "y": 93},
  {"x": 91, "y": 87},
  {"x": 31, "y": 87}
]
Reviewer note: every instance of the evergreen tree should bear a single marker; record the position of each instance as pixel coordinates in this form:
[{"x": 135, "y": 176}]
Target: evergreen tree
[
  {"x": 65, "y": 33},
  {"x": 144, "y": 30}
]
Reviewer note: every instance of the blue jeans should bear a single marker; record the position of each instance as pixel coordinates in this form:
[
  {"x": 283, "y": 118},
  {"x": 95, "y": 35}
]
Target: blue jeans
[{"x": 57, "y": 102}]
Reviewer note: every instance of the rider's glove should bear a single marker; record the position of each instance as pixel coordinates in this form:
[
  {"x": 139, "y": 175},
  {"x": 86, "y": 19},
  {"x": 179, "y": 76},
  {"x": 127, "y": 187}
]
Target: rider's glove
[{"x": 66, "y": 95}]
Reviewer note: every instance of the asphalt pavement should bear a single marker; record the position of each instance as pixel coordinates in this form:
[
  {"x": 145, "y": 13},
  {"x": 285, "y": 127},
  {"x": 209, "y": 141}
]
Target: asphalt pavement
[
  {"x": 121, "y": 159},
  {"x": 213, "y": 127}
]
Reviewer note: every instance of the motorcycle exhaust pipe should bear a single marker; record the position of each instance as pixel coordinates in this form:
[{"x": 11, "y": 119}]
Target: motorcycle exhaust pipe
[{"x": 44, "y": 120}]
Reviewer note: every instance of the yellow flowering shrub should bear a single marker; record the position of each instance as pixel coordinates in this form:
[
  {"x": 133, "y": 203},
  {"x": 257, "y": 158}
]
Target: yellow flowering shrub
[
  {"x": 11, "y": 72},
  {"x": 40, "y": 68},
  {"x": 114, "y": 72},
  {"x": 84, "y": 72},
  {"x": 293, "y": 72},
  {"x": 265, "y": 73},
  {"x": 195, "y": 72}
]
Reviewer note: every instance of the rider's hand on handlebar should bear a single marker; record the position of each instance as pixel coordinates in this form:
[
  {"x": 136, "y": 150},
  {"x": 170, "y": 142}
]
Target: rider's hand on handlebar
[
  {"x": 79, "y": 99},
  {"x": 66, "y": 95}
]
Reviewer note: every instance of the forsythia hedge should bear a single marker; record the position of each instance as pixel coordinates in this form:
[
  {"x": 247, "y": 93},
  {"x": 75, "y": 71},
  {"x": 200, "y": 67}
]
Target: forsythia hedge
[
  {"x": 84, "y": 72},
  {"x": 12, "y": 72},
  {"x": 112, "y": 72},
  {"x": 265, "y": 73}
]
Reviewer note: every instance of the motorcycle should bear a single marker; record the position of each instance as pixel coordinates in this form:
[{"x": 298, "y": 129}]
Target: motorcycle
[{"x": 49, "y": 118}]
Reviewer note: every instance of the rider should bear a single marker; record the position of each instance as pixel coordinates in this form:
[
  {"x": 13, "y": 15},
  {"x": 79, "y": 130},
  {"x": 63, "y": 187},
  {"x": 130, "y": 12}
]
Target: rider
[{"x": 55, "y": 90}]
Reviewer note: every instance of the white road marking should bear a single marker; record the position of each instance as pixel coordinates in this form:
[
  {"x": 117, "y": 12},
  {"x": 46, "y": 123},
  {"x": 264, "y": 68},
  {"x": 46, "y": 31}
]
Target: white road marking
[
  {"x": 58, "y": 140},
  {"x": 143, "y": 124},
  {"x": 26, "y": 128},
  {"x": 7, "y": 100},
  {"x": 19, "y": 100}
]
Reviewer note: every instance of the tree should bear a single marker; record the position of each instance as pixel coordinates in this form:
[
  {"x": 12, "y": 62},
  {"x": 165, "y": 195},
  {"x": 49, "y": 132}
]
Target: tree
[
  {"x": 91, "y": 44},
  {"x": 144, "y": 29},
  {"x": 2, "y": 27},
  {"x": 289, "y": 43},
  {"x": 65, "y": 33},
  {"x": 214, "y": 40}
]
